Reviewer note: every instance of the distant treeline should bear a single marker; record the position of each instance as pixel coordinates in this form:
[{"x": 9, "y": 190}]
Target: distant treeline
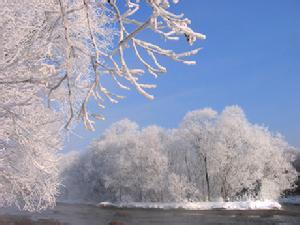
[{"x": 210, "y": 156}]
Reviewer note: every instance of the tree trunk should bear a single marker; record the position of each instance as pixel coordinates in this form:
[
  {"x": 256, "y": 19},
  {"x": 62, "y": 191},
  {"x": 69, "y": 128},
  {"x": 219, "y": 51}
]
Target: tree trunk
[
  {"x": 120, "y": 196},
  {"x": 207, "y": 179},
  {"x": 224, "y": 191},
  {"x": 187, "y": 169}
]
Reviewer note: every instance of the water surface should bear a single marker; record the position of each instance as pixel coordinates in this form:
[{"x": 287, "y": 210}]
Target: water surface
[{"x": 79, "y": 214}]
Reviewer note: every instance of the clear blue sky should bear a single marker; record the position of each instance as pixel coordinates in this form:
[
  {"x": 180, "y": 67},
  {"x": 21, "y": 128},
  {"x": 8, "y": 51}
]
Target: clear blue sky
[{"x": 251, "y": 58}]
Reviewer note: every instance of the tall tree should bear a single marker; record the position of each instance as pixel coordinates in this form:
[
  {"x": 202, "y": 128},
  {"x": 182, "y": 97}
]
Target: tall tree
[
  {"x": 54, "y": 57},
  {"x": 198, "y": 128}
]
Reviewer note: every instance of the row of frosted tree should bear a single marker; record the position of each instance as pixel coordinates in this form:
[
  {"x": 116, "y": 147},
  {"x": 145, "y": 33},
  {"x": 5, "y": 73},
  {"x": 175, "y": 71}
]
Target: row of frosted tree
[{"x": 209, "y": 157}]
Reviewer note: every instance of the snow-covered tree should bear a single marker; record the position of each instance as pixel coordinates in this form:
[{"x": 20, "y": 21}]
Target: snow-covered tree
[
  {"x": 74, "y": 44},
  {"x": 247, "y": 155},
  {"x": 30, "y": 132},
  {"x": 29, "y": 140},
  {"x": 54, "y": 57},
  {"x": 233, "y": 151},
  {"x": 198, "y": 130},
  {"x": 209, "y": 156},
  {"x": 278, "y": 173},
  {"x": 183, "y": 161},
  {"x": 126, "y": 163}
]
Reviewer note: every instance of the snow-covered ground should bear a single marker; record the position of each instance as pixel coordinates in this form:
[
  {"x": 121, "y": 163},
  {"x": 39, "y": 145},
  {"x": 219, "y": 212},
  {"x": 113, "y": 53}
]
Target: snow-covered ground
[
  {"x": 196, "y": 205},
  {"x": 291, "y": 200}
]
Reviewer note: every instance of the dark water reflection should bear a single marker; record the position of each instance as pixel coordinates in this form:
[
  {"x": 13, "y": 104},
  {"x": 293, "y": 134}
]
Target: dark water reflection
[{"x": 87, "y": 214}]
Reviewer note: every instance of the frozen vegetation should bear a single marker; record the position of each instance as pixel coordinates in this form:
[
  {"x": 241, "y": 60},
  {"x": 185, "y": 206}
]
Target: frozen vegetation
[
  {"x": 209, "y": 157},
  {"x": 52, "y": 54}
]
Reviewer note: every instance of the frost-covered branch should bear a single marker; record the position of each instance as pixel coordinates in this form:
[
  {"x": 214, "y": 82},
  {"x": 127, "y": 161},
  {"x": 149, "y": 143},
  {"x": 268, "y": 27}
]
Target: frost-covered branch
[
  {"x": 177, "y": 26},
  {"x": 89, "y": 28}
]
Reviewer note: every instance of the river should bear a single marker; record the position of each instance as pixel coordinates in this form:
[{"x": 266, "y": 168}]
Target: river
[{"x": 79, "y": 214}]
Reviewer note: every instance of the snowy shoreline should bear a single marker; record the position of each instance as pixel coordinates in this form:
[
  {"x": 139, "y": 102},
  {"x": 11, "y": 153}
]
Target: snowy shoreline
[{"x": 248, "y": 205}]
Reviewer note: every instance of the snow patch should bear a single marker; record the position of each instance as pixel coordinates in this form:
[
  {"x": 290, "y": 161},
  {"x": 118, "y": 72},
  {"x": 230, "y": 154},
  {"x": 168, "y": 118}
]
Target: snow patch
[{"x": 248, "y": 205}]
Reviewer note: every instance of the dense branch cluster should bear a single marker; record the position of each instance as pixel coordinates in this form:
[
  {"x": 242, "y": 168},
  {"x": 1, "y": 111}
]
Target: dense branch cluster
[
  {"x": 30, "y": 132},
  {"x": 70, "y": 46},
  {"x": 84, "y": 51},
  {"x": 54, "y": 55},
  {"x": 210, "y": 156}
]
